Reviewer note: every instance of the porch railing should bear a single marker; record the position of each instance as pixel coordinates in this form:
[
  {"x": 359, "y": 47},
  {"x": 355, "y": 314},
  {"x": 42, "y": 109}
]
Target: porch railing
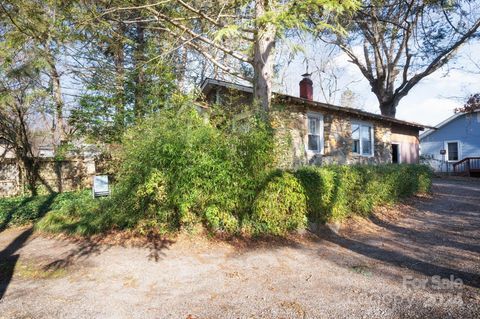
[{"x": 467, "y": 166}]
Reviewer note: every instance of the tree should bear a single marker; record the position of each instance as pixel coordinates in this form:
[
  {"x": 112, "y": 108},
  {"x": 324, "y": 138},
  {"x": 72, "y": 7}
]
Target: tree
[
  {"x": 120, "y": 64},
  {"x": 21, "y": 102},
  {"x": 349, "y": 99},
  {"x": 237, "y": 37},
  {"x": 397, "y": 43},
  {"x": 472, "y": 104},
  {"x": 42, "y": 27}
]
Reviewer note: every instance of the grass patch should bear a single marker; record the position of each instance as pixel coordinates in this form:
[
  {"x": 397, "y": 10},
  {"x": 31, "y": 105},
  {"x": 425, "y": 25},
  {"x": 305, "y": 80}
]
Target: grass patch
[
  {"x": 30, "y": 270},
  {"x": 362, "y": 270},
  {"x": 76, "y": 213},
  {"x": 69, "y": 212},
  {"x": 20, "y": 211}
]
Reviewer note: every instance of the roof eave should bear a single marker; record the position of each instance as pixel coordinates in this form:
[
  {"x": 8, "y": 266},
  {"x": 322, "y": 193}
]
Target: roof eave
[
  {"x": 351, "y": 111},
  {"x": 212, "y": 82}
]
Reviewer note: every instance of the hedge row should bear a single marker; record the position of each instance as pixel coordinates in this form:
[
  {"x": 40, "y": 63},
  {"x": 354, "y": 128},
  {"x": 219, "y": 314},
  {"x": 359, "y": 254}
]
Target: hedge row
[
  {"x": 282, "y": 204},
  {"x": 332, "y": 193}
]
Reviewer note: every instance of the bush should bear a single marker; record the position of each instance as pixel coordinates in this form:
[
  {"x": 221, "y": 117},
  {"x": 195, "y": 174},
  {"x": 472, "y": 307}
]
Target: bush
[
  {"x": 179, "y": 169},
  {"x": 280, "y": 206},
  {"x": 157, "y": 199},
  {"x": 319, "y": 186},
  {"x": 335, "y": 192},
  {"x": 176, "y": 170}
]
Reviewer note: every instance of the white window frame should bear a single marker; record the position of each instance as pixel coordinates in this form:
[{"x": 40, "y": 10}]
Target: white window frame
[
  {"x": 372, "y": 134},
  {"x": 318, "y": 116},
  {"x": 459, "y": 148},
  {"x": 399, "y": 151}
]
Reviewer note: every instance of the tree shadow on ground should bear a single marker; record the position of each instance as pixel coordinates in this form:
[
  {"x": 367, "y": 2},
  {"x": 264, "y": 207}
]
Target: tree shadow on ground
[
  {"x": 429, "y": 238},
  {"x": 86, "y": 247},
  {"x": 433, "y": 234},
  {"x": 9, "y": 256},
  {"x": 157, "y": 245},
  {"x": 397, "y": 258}
]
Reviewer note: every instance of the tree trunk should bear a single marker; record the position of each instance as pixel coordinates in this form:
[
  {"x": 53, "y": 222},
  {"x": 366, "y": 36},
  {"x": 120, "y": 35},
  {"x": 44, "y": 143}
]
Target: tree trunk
[
  {"x": 389, "y": 107},
  {"x": 31, "y": 174},
  {"x": 29, "y": 170},
  {"x": 23, "y": 151},
  {"x": 263, "y": 59},
  {"x": 58, "y": 99},
  {"x": 139, "y": 58},
  {"x": 119, "y": 61},
  {"x": 182, "y": 69}
]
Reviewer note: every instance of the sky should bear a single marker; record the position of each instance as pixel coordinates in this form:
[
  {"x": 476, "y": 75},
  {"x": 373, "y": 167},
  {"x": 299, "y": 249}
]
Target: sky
[{"x": 430, "y": 102}]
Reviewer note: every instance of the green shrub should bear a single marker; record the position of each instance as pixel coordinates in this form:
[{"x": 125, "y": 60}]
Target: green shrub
[
  {"x": 218, "y": 219},
  {"x": 319, "y": 188},
  {"x": 179, "y": 169},
  {"x": 175, "y": 170},
  {"x": 424, "y": 179},
  {"x": 280, "y": 206},
  {"x": 335, "y": 192},
  {"x": 232, "y": 196}
]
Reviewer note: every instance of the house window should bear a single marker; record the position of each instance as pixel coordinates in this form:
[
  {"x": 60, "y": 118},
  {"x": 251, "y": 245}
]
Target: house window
[
  {"x": 452, "y": 151},
  {"x": 362, "y": 136},
  {"x": 315, "y": 133}
]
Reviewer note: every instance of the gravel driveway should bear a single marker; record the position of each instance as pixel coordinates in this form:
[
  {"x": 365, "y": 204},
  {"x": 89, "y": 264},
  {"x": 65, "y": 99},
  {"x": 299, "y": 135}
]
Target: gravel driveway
[{"x": 390, "y": 266}]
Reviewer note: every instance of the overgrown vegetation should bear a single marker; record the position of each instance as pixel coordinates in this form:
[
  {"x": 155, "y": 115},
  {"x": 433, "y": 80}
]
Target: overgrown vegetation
[
  {"x": 335, "y": 192},
  {"x": 24, "y": 210},
  {"x": 280, "y": 204},
  {"x": 178, "y": 170},
  {"x": 76, "y": 213}
]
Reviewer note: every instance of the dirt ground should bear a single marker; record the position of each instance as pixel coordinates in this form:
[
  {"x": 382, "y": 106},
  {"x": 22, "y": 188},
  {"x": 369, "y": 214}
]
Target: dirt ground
[{"x": 389, "y": 266}]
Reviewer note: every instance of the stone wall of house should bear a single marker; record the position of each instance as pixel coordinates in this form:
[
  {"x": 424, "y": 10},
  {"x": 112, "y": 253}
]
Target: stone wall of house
[
  {"x": 290, "y": 124},
  {"x": 290, "y": 133},
  {"x": 59, "y": 176}
]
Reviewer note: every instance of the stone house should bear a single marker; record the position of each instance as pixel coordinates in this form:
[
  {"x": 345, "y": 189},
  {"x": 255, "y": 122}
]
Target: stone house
[{"x": 318, "y": 133}]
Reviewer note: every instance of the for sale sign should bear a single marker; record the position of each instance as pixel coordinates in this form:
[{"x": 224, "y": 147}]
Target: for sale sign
[{"x": 100, "y": 186}]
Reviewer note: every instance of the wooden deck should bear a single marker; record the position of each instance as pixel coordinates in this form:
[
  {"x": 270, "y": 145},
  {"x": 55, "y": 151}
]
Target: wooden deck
[{"x": 467, "y": 166}]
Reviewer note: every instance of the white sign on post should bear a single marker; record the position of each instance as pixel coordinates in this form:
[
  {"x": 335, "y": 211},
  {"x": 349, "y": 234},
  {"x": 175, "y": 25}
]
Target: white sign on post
[{"x": 100, "y": 186}]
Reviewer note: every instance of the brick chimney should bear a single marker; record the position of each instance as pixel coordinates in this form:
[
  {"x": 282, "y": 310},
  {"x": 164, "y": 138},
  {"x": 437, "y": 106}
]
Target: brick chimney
[{"x": 306, "y": 87}]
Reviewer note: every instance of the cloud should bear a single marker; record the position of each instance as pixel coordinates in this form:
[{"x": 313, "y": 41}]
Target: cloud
[{"x": 428, "y": 111}]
